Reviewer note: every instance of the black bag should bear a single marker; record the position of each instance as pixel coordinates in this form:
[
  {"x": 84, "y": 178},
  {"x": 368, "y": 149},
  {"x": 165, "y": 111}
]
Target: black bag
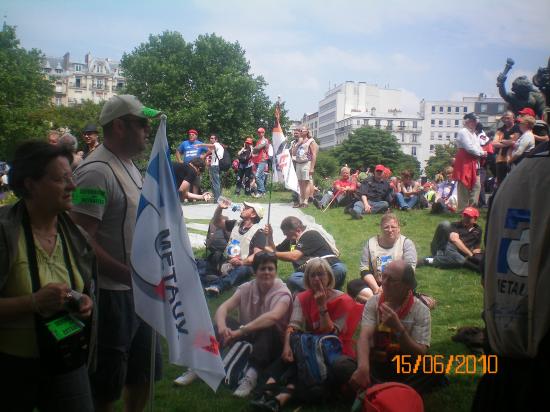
[
  {"x": 235, "y": 363},
  {"x": 225, "y": 162}
]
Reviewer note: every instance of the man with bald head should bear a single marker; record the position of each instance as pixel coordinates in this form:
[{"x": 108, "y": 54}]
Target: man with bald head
[{"x": 394, "y": 323}]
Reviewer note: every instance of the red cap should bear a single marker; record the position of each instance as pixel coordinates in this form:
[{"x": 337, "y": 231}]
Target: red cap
[
  {"x": 249, "y": 140},
  {"x": 261, "y": 130},
  {"x": 379, "y": 167},
  {"x": 527, "y": 111},
  {"x": 193, "y": 131},
  {"x": 471, "y": 211}
]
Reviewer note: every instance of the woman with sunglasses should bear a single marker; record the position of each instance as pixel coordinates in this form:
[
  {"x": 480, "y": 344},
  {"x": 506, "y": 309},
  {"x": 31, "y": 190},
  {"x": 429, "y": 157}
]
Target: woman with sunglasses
[
  {"x": 320, "y": 309},
  {"x": 47, "y": 272}
]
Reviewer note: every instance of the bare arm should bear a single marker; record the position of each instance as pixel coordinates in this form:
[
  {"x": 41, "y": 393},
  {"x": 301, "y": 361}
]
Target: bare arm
[
  {"x": 361, "y": 377},
  {"x": 178, "y": 156},
  {"x": 268, "y": 319},
  {"x": 314, "y": 151},
  {"x": 186, "y": 194},
  {"x": 108, "y": 265},
  {"x": 408, "y": 344},
  {"x": 289, "y": 256},
  {"x": 455, "y": 240}
]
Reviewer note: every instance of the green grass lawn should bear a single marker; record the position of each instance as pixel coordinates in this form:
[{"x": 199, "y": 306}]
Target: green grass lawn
[{"x": 458, "y": 292}]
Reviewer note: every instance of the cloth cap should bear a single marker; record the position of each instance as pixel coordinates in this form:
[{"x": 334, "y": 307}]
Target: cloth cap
[
  {"x": 471, "y": 211},
  {"x": 257, "y": 208},
  {"x": 90, "y": 128},
  {"x": 261, "y": 130},
  {"x": 527, "y": 111},
  {"x": 193, "y": 131},
  {"x": 379, "y": 167},
  {"x": 122, "y": 105}
]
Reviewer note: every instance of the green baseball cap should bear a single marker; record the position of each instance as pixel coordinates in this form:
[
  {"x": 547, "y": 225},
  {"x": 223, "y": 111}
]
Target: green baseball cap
[{"x": 122, "y": 105}]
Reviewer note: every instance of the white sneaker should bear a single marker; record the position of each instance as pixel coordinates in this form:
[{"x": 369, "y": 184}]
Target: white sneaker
[
  {"x": 429, "y": 260},
  {"x": 186, "y": 378},
  {"x": 246, "y": 386}
]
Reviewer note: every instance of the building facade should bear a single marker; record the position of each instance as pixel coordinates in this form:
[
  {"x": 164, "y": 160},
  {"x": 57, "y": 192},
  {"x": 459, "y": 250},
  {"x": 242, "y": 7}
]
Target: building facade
[
  {"x": 348, "y": 99},
  {"x": 311, "y": 121},
  {"x": 95, "y": 79}
]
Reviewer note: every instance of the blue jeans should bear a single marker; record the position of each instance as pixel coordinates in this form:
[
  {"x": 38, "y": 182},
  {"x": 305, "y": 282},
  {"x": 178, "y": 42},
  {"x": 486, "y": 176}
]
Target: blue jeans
[
  {"x": 235, "y": 277},
  {"x": 295, "y": 281},
  {"x": 376, "y": 207},
  {"x": 214, "y": 172},
  {"x": 406, "y": 202},
  {"x": 260, "y": 176}
]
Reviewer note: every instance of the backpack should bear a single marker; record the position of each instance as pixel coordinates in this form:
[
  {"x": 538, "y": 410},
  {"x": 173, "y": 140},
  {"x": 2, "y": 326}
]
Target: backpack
[
  {"x": 235, "y": 363},
  {"x": 314, "y": 354},
  {"x": 388, "y": 397},
  {"x": 225, "y": 162}
]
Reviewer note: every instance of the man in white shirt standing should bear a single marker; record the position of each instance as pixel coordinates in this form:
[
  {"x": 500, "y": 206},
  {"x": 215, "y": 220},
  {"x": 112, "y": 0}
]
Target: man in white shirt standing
[
  {"x": 217, "y": 151},
  {"x": 466, "y": 165}
]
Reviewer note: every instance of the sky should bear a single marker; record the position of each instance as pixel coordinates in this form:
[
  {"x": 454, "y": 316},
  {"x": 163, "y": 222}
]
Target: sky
[{"x": 432, "y": 50}]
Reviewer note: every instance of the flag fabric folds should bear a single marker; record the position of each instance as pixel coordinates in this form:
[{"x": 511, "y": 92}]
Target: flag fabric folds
[
  {"x": 283, "y": 167},
  {"x": 167, "y": 290}
]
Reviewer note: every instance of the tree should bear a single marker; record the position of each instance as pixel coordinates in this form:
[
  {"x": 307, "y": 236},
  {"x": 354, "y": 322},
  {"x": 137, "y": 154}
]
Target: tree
[
  {"x": 73, "y": 118},
  {"x": 326, "y": 164},
  {"x": 443, "y": 157},
  {"x": 205, "y": 85},
  {"x": 366, "y": 147},
  {"x": 25, "y": 92}
]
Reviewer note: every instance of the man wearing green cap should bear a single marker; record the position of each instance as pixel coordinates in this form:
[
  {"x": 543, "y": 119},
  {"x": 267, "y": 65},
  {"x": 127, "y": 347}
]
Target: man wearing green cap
[{"x": 109, "y": 217}]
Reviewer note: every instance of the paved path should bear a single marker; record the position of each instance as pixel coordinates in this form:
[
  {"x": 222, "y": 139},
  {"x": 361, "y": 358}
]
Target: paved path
[{"x": 205, "y": 211}]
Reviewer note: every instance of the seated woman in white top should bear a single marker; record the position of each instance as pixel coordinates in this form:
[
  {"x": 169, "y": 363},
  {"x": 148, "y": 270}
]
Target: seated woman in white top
[{"x": 526, "y": 142}]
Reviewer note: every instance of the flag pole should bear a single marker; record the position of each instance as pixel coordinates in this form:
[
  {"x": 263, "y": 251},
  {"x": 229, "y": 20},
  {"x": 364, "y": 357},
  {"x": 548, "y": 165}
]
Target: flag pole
[
  {"x": 277, "y": 124},
  {"x": 152, "y": 371},
  {"x": 269, "y": 205}
]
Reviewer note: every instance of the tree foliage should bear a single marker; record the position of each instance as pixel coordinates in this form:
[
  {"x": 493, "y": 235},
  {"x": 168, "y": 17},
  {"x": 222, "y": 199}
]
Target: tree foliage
[
  {"x": 443, "y": 157},
  {"x": 326, "y": 164},
  {"x": 24, "y": 93},
  {"x": 366, "y": 147},
  {"x": 204, "y": 85}
]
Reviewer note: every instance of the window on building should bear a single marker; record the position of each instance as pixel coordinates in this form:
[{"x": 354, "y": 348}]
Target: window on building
[
  {"x": 448, "y": 137},
  {"x": 432, "y": 147},
  {"x": 483, "y": 108},
  {"x": 440, "y": 109},
  {"x": 403, "y": 137},
  {"x": 413, "y": 150},
  {"x": 415, "y": 124},
  {"x": 449, "y": 108},
  {"x": 358, "y": 122},
  {"x": 58, "y": 101},
  {"x": 441, "y": 123},
  {"x": 456, "y": 135},
  {"x": 501, "y": 108},
  {"x": 457, "y": 109},
  {"x": 77, "y": 68},
  {"x": 99, "y": 83},
  {"x": 433, "y": 122},
  {"x": 432, "y": 136},
  {"x": 439, "y": 136},
  {"x": 120, "y": 85},
  {"x": 448, "y": 122},
  {"x": 377, "y": 123},
  {"x": 77, "y": 82},
  {"x": 59, "y": 70},
  {"x": 465, "y": 109},
  {"x": 457, "y": 123},
  {"x": 414, "y": 137},
  {"x": 433, "y": 109},
  {"x": 366, "y": 122}
]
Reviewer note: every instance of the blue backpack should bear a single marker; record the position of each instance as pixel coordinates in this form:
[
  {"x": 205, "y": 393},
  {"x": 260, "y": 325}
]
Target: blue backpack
[{"x": 314, "y": 354}]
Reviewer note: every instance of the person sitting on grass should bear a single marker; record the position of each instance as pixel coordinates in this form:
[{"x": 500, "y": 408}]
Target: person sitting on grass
[
  {"x": 343, "y": 189},
  {"x": 457, "y": 244},
  {"x": 264, "y": 306},
  {"x": 320, "y": 309},
  {"x": 245, "y": 240},
  {"x": 446, "y": 195},
  {"x": 394, "y": 322},
  {"x": 408, "y": 191},
  {"x": 378, "y": 252},
  {"x": 300, "y": 246},
  {"x": 375, "y": 194}
]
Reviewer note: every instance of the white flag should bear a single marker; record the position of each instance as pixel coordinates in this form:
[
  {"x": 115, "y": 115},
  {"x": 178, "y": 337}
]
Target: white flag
[
  {"x": 283, "y": 168},
  {"x": 167, "y": 290}
]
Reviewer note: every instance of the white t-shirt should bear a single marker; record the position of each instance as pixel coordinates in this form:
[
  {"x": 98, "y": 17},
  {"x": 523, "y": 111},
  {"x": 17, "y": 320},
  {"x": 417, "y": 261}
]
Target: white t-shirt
[{"x": 218, "y": 148}]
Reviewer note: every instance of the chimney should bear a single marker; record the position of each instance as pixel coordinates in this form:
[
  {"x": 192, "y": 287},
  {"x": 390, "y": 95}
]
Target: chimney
[
  {"x": 88, "y": 58},
  {"x": 66, "y": 61}
]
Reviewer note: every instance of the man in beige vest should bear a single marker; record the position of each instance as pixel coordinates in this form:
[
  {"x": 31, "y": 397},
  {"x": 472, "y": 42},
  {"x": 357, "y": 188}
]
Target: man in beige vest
[{"x": 109, "y": 186}]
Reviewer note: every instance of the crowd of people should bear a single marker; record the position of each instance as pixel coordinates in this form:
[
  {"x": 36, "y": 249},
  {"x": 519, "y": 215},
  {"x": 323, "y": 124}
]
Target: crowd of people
[{"x": 67, "y": 263}]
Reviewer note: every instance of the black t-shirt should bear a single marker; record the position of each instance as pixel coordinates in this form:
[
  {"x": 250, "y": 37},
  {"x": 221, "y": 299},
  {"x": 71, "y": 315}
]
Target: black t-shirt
[
  {"x": 376, "y": 191},
  {"x": 507, "y": 135},
  {"x": 184, "y": 171},
  {"x": 258, "y": 240},
  {"x": 470, "y": 237},
  {"x": 311, "y": 244}
]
